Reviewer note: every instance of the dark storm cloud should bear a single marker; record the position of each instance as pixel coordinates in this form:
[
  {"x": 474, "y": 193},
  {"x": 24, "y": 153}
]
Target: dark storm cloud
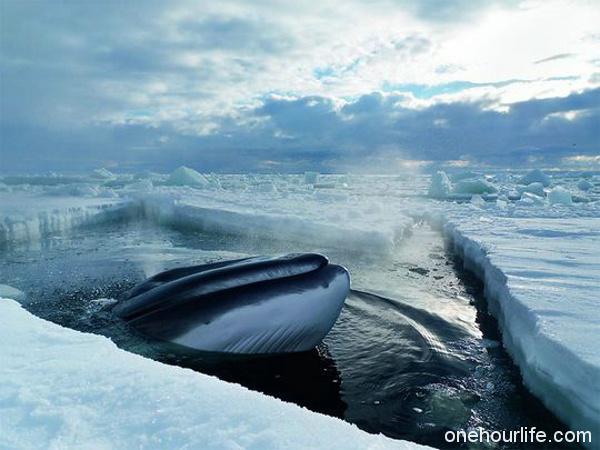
[
  {"x": 311, "y": 132},
  {"x": 444, "y": 131}
]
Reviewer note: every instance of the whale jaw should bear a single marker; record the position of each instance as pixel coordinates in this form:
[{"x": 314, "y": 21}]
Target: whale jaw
[{"x": 288, "y": 308}]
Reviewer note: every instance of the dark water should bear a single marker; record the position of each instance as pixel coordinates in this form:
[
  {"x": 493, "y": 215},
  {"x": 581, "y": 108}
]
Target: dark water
[{"x": 413, "y": 354}]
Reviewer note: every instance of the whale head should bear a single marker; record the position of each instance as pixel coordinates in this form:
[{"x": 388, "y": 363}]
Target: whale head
[{"x": 254, "y": 305}]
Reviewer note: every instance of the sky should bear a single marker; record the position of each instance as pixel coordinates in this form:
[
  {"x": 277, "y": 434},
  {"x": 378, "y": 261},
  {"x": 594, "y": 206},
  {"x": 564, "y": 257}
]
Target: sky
[{"x": 279, "y": 86}]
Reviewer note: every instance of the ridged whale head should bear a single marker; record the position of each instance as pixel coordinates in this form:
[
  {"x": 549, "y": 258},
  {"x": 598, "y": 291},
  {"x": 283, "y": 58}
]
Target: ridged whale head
[{"x": 254, "y": 305}]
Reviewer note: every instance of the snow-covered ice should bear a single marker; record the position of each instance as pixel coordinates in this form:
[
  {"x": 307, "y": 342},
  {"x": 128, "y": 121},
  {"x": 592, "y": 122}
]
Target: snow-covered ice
[
  {"x": 64, "y": 389},
  {"x": 28, "y": 216},
  {"x": 541, "y": 279}
]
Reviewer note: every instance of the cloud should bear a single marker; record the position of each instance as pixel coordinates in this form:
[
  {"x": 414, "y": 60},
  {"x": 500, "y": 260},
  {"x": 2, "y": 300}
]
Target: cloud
[
  {"x": 317, "y": 132},
  {"x": 297, "y": 84}
]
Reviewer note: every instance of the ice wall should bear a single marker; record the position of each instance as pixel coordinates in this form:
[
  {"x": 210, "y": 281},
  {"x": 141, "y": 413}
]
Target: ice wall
[
  {"x": 308, "y": 218},
  {"x": 61, "y": 388},
  {"x": 27, "y": 217},
  {"x": 542, "y": 281}
]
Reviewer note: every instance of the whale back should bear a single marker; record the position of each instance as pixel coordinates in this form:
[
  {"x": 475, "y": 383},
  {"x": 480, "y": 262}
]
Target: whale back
[
  {"x": 174, "y": 274},
  {"x": 179, "y": 286}
]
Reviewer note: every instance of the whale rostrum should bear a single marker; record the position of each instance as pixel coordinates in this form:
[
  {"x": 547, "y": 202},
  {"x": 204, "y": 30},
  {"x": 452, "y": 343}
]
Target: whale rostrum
[{"x": 251, "y": 305}]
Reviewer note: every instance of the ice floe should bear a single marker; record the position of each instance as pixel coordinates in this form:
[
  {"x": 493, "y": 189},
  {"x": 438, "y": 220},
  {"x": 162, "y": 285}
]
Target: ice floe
[
  {"x": 440, "y": 186},
  {"x": 184, "y": 176},
  {"x": 61, "y": 388},
  {"x": 542, "y": 279},
  {"x": 535, "y": 176},
  {"x": 559, "y": 195}
]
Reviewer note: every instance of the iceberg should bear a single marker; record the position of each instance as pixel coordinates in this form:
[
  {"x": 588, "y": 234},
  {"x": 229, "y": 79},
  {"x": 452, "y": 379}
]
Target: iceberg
[
  {"x": 559, "y": 195},
  {"x": 440, "y": 186},
  {"x": 61, "y": 388},
  {"x": 184, "y": 176},
  {"x": 535, "y": 176},
  {"x": 536, "y": 188},
  {"x": 311, "y": 177},
  {"x": 529, "y": 199},
  {"x": 477, "y": 186},
  {"x": 103, "y": 174},
  {"x": 468, "y": 174},
  {"x": 477, "y": 200},
  {"x": 585, "y": 185}
]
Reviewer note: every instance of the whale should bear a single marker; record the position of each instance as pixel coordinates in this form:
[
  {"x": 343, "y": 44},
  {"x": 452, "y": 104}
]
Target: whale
[{"x": 254, "y": 305}]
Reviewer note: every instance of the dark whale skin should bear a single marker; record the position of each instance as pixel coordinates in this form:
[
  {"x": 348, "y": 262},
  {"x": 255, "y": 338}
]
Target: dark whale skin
[{"x": 251, "y": 306}]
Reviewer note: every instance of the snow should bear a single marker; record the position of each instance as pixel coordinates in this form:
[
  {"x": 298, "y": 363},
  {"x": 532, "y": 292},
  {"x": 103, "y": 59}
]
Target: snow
[
  {"x": 541, "y": 280},
  {"x": 184, "y": 176},
  {"x": 535, "y": 176},
  {"x": 560, "y": 195},
  {"x": 61, "y": 388}
]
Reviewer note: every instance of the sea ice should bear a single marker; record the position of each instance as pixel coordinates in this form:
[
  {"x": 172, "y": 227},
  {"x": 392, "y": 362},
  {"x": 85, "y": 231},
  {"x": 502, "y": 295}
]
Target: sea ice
[
  {"x": 585, "y": 185},
  {"x": 541, "y": 278},
  {"x": 513, "y": 195},
  {"x": 478, "y": 201},
  {"x": 102, "y": 173},
  {"x": 61, "y": 388},
  {"x": 539, "y": 264},
  {"x": 536, "y": 188},
  {"x": 468, "y": 174},
  {"x": 527, "y": 198},
  {"x": 477, "y": 186},
  {"x": 311, "y": 177},
  {"x": 535, "y": 176},
  {"x": 7, "y": 291},
  {"x": 559, "y": 195},
  {"x": 440, "y": 186},
  {"x": 184, "y": 176}
]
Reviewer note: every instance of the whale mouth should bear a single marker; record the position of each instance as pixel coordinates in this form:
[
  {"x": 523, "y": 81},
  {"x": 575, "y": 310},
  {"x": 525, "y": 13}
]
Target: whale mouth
[{"x": 253, "y": 305}]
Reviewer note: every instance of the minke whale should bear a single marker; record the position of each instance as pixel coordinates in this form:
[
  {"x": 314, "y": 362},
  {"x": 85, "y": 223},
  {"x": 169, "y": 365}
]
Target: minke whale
[{"x": 250, "y": 306}]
